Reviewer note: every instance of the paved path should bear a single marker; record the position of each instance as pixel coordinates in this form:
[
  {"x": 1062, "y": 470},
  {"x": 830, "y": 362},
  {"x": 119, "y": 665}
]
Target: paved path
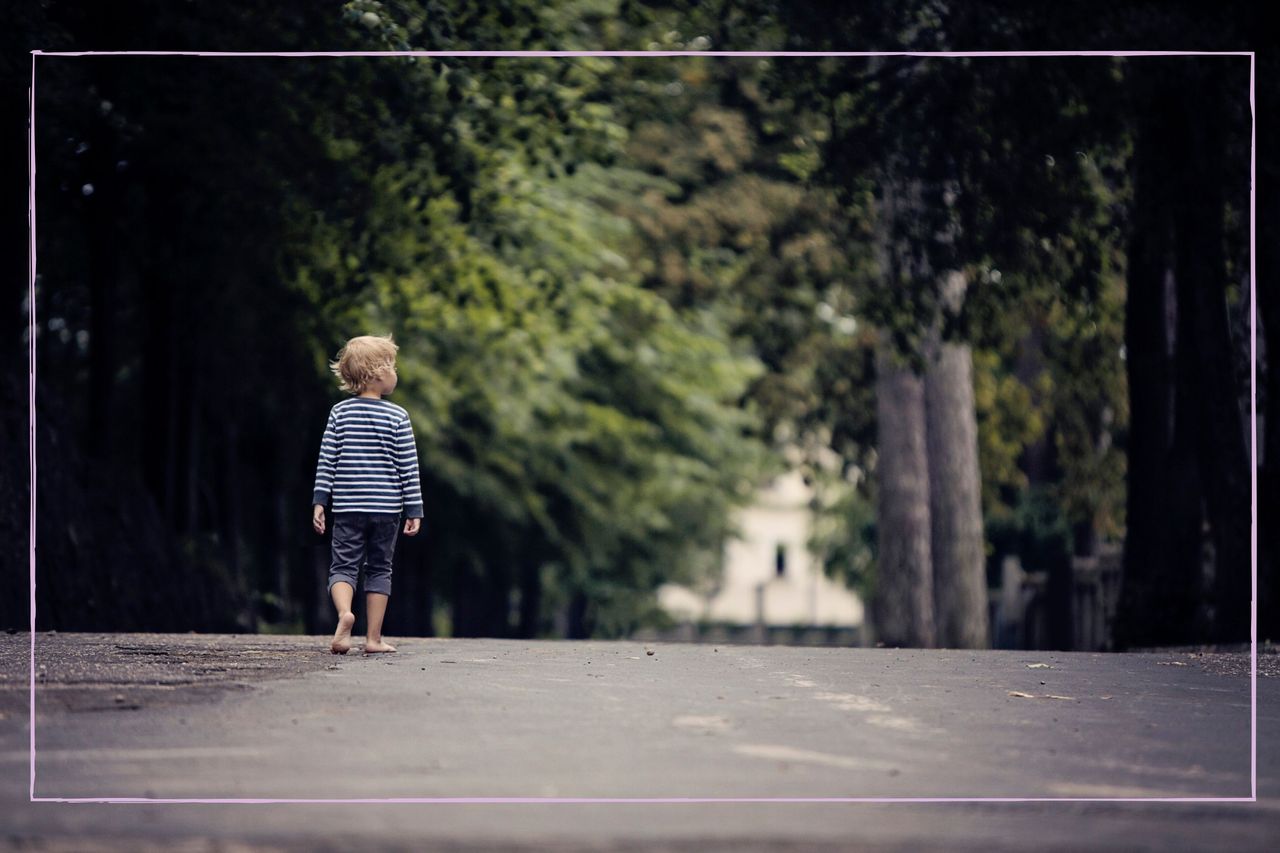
[{"x": 201, "y": 716}]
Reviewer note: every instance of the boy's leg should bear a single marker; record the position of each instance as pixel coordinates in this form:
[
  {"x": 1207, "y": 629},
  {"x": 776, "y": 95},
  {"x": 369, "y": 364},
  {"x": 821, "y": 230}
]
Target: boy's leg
[
  {"x": 377, "y": 581},
  {"x": 375, "y": 609},
  {"x": 342, "y": 593},
  {"x": 347, "y": 554}
]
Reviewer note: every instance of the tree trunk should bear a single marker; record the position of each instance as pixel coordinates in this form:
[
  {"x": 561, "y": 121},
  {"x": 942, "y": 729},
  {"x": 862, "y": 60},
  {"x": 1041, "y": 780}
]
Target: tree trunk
[
  {"x": 1267, "y": 315},
  {"x": 228, "y": 512},
  {"x": 159, "y": 357},
  {"x": 500, "y": 621},
  {"x": 1185, "y": 596},
  {"x": 1159, "y": 588},
  {"x": 955, "y": 491},
  {"x": 1148, "y": 374},
  {"x": 903, "y": 604},
  {"x": 104, "y": 268},
  {"x": 530, "y": 598},
  {"x": 190, "y": 438},
  {"x": 428, "y": 599},
  {"x": 1202, "y": 278},
  {"x": 276, "y": 546},
  {"x": 579, "y": 626}
]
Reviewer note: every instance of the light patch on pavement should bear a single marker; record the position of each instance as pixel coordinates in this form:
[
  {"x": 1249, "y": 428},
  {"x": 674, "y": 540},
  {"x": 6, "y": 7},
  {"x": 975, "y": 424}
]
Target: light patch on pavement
[
  {"x": 797, "y": 680},
  {"x": 777, "y": 752},
  {"x": 853, "y": 702},
  {"x": 1076, "y": 789},
  {"x": 714, "y": 722},
  {"x": 899, "y": 724},
  {"x": 864, "y": 704},
  {"x": 1196, "y": 773},
  {"x": 133, "y": 754}
]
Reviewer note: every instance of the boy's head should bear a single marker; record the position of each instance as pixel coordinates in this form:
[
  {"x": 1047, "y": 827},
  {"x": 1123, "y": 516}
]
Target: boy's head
[{"x": 362, "y": 360}]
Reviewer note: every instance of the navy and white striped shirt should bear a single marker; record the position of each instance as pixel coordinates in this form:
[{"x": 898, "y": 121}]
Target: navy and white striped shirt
[{"x": 368, "y": 459}]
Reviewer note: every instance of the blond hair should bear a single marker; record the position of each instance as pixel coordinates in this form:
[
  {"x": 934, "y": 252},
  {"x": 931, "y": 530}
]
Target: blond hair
[{"x": 361, "y": 360}]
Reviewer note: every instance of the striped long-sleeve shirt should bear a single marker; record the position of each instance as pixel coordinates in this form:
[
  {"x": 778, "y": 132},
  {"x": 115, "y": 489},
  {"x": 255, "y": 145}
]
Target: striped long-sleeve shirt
[{"x": 368, "y": 459}]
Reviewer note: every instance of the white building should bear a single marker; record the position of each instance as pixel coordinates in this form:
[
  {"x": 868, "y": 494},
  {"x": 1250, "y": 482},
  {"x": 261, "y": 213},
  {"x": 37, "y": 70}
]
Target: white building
[{"x": 770, "y": 576}]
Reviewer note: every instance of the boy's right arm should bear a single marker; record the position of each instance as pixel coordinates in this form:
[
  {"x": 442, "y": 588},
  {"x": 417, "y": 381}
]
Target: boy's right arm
[{"x": 325, "y": 468}]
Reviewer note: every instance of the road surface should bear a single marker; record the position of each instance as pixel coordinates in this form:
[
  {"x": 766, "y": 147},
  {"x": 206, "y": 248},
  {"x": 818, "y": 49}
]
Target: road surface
[{"x": 173, "y": 716}]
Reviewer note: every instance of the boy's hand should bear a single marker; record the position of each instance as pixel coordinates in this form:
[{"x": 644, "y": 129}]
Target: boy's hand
[
  {"x": 317, "y": 518},
  {"x": 411, "y": 526}
]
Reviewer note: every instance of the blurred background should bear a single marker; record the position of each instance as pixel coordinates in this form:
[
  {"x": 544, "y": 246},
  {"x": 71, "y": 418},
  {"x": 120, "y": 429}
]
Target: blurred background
[{"x": 904, "y": 350}]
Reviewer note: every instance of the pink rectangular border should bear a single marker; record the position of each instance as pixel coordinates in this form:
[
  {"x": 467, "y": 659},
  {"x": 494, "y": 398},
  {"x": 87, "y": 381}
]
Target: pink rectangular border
[{"x": 1253, "y": 418}]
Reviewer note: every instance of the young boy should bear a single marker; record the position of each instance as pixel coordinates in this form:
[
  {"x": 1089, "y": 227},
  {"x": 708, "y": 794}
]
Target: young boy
[{"x": 369, "y": 467}]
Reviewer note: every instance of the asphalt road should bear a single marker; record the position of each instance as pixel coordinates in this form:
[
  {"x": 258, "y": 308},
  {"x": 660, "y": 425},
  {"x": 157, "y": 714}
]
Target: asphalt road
[{"x": 263, "y": 717}]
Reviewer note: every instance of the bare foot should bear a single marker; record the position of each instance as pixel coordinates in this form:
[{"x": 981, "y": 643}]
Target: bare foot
[
  {"x": 380, "y": 646},
  {"x": 342, "y": 637}
]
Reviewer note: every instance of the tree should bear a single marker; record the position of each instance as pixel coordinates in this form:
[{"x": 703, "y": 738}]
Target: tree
[
  {"x": 1178, "y": 271},
  {"x": 934, "y": 131},
  {"x": 955, "y": 499}
]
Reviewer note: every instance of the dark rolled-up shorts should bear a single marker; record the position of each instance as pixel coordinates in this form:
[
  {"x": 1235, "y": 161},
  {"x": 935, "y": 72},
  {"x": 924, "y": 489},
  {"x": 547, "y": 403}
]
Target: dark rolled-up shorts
[{"x": 368, "y": 538}]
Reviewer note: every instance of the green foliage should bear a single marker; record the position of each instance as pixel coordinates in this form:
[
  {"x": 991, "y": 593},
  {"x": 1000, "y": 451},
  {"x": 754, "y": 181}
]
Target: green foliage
[
  {"x": 621, "y": 287},
  {"x": 563, "y": 411},
  {"x": 1008, "y": 422},
  {"x": 1091, "y": 409},
  {"x": 726, "y": 225}
]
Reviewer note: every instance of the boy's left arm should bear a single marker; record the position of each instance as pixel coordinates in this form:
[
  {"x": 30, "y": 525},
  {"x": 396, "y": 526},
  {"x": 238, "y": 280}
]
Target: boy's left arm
[{"x": 407, "y": 465}]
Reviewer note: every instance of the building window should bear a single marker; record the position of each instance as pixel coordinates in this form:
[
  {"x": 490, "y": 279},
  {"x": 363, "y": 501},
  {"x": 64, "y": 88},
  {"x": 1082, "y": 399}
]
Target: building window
[{"x": 780, "y": 559}]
